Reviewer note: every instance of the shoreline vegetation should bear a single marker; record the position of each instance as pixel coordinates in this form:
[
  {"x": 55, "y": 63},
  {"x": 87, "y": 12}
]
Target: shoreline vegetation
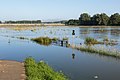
[{"x": 41, "y": 71}]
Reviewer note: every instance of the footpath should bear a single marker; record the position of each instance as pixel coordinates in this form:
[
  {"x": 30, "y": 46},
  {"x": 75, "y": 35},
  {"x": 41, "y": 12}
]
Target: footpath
[{"x": 12, "y": 70}]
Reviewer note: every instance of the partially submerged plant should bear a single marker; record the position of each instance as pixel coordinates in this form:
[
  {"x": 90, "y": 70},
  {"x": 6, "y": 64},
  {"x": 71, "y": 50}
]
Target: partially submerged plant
[
  {"x": 91, "y": 41},
  {"x": 106, "y": 39},
  {"x": 65, "y": 38},
  {"x": 43, "y": 40},
  {"x": 101, "y": 51},
  {"x": 55, "y": 39}
]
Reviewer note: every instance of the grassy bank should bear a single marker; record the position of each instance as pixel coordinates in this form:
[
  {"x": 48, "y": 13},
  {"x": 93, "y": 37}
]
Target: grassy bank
[{"x": 41, "y": 71}]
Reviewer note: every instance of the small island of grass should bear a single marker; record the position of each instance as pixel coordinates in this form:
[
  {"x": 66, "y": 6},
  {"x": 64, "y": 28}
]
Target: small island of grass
[{"x": 43, "y": 40}]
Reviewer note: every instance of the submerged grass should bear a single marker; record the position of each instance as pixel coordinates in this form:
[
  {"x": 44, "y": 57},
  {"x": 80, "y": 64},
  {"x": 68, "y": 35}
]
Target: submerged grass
[
  {"x": 105, "y": 52},
  {"x": 106, "y": 41},
  {"x": 91, "y": 41},
  {"x": 43, "y": 40},
  {"x": 41, "y": 71},
  {"x": 46, "y": 40}
]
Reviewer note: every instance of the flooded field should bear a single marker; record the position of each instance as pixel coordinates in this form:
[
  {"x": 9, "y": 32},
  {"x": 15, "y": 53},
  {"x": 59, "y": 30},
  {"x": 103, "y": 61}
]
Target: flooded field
[{"x": 16, "y": 44}]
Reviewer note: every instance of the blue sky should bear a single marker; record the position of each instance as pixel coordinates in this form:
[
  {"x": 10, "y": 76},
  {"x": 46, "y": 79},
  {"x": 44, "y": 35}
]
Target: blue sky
[{"x": 47, "y": 10}]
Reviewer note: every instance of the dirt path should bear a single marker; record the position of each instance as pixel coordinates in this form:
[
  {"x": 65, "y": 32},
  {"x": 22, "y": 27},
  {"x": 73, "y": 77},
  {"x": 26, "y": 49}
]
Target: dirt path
[{"x": 11, "y": 70}]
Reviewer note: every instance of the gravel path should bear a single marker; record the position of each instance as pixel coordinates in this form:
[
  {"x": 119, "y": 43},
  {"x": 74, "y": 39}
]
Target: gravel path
[{"x": 11, "y": 70}]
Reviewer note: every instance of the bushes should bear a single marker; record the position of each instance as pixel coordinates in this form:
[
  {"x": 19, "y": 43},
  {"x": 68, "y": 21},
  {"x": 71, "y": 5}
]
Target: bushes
[{"x": 41, "y": 71}]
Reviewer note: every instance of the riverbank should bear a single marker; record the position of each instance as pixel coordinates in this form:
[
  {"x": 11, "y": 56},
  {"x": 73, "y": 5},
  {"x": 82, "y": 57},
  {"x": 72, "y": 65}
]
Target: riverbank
[
  {"x": 12, "y": 70},
  {"x": 53, "y": 24},
  {"x": 25, "y": 25},
  {"x": 96, "y": 26}
]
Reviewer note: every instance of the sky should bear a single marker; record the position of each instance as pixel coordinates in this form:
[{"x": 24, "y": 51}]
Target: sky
[{"x": 51, "y": 10}]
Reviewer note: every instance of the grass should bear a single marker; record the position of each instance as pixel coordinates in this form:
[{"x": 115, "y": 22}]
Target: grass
[
  {"x": 41, "y": 71},
  {"x": 46, "y": 40},
  {"x": 43, "y": 40},
  {"x": 106, "y": 41},
  {"x": 55, "y": 39},
  {"x": 91, "y": 41},
  {"x": 65, "y": 38},
  {"x": 109, "y": 41},
  {"x": 105, "y": 52}
]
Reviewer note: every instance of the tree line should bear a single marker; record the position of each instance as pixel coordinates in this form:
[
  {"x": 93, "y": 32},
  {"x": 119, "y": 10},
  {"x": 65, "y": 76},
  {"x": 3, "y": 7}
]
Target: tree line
[
  {"x": 97, "y": 19},
  {"x": 22, "y": 22}
]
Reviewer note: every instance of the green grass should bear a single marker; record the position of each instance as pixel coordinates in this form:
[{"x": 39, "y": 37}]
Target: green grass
[
  {"x": 65, "y": 38},
  {"x": 106, "y": 39},
  {"x": 92, "y": 41},
  {"x": 41, "y": 71},
  {"x": 43, "y": 40},
  {"x": 55, "y": 39}
]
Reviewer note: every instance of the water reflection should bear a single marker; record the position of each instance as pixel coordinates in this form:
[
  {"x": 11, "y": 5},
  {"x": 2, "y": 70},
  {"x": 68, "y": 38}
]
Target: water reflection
[{"x": 9, "y": 41}]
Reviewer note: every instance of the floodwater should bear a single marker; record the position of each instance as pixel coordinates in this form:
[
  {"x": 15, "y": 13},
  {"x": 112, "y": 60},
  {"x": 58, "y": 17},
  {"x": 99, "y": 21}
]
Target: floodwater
[{"x": 75, "y": 64}]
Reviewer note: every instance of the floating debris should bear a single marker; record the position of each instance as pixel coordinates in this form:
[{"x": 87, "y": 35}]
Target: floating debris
[{"x": 96, "y": 77}]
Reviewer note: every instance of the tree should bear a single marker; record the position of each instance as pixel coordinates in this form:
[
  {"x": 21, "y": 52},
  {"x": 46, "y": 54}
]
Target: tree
[
  {"x": 114, "y": 19},
  {"x": 72, "y": 22},
  {"x": 104, "y": 19},
  {"x": 85, "y": 19},
  {"x": 24, "y": 22},
  {"x": 96, "y": 19},
  {"x": 100, "y": 19}
]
